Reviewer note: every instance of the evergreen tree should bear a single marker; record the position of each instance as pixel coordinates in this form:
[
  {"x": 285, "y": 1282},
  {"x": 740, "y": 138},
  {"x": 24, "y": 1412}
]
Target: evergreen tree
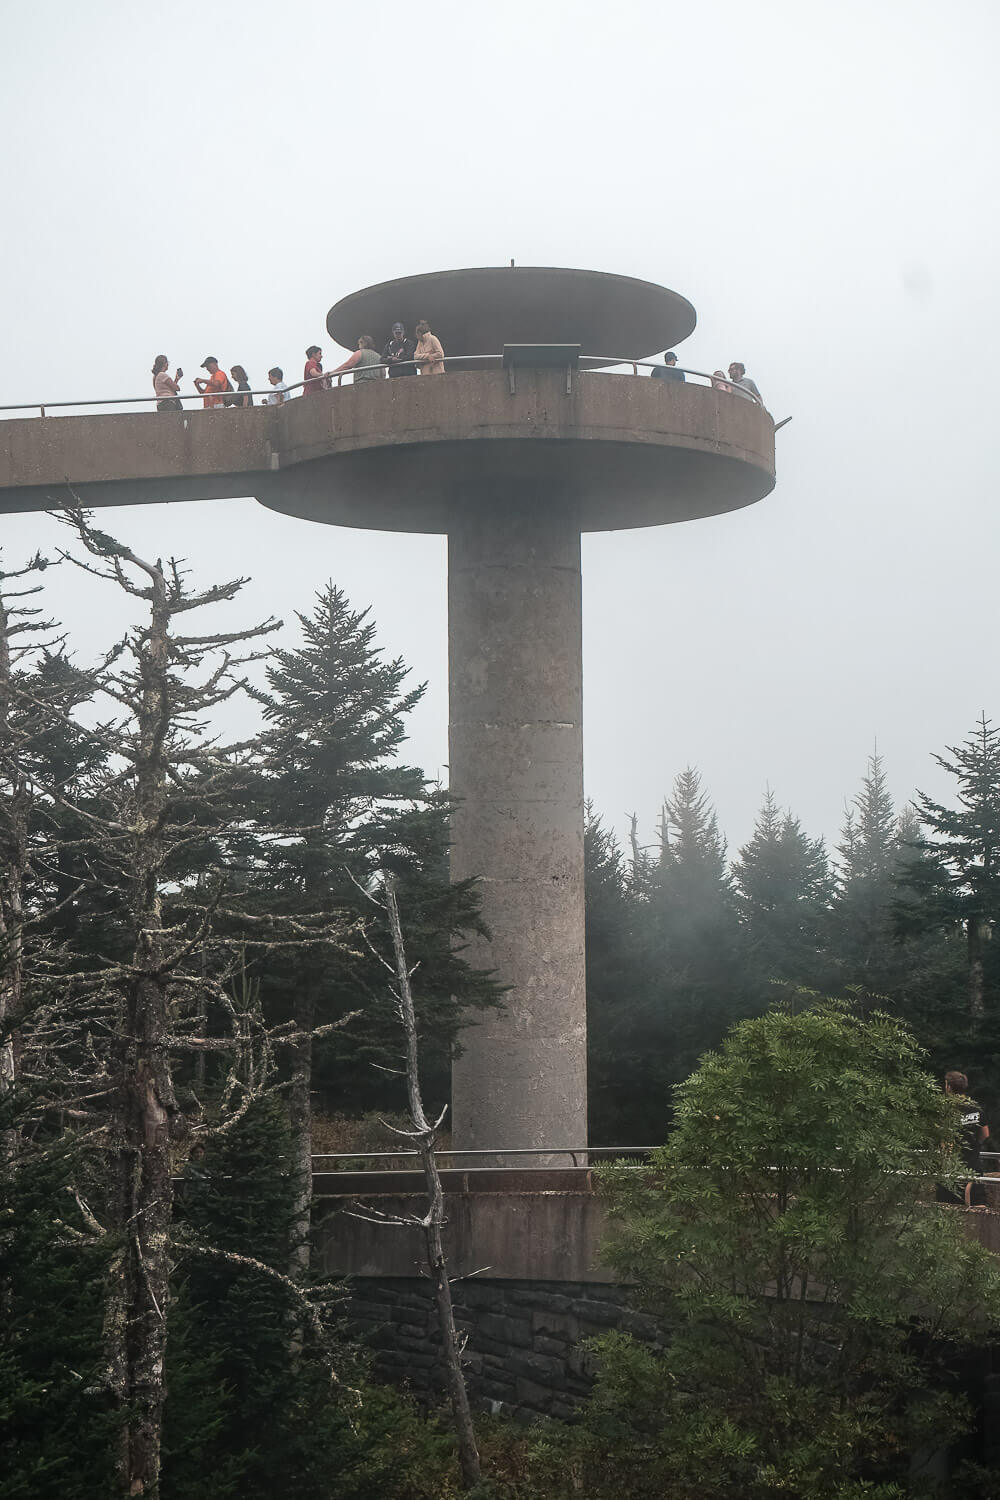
[
  {"x": 689, "y": 948},
  {"x": 335, "y": 713},
  {"x": 248, "y": 1414},
  {"x": 783, "y": 890},
  {"x": 957, "y": 883},
  {"x": 55, "y": 1427},
  {"x": 334, "y": 804},
  {"x": 866, "y": 886},
  {"x": 617, "y": 985}
]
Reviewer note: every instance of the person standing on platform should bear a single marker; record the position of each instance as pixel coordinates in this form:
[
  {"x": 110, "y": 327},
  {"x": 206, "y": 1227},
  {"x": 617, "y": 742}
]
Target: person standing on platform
[
  {"x": 217, "y": 383},
  {"x": 166, "y": 385},
  {"x": 668, "y": 370},
  {"x": 398, "y": 353},
  {"x": 742, "y": 382},
  {"x": 314, "y": 379},
  {"x": 242, "y": 396},
  {"x": 428, "y": 353},
  {"x": 975, "y": 1134},
  {"x": 365, "y": 361},
  {"x": 279, "y": 395}
]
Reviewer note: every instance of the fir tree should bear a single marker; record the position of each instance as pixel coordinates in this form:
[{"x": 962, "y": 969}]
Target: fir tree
[
  {"x": 616, "y": 986},
  {"x": 870, "y": 957},
  {"x": 335, "y": 803},
  {"x": 250, "y": 1414},
  {"x": 783, "y": 892},
  {"x": 688, "y": 947},
  {"x": 957, "y": 883}
]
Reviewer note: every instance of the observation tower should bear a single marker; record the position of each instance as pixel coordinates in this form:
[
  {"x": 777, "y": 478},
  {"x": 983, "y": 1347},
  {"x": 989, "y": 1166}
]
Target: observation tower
[{"x": 540, "y": 429}]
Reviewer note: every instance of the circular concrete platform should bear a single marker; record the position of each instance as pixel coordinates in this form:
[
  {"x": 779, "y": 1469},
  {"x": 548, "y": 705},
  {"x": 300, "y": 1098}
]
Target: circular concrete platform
[
  {"x": 477, "y": 311},
  {"x": 621, "y": 451}
]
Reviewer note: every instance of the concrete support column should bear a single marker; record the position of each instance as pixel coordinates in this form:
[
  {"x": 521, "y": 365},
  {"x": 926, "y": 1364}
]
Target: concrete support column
[{"x": 516, "y": 754}]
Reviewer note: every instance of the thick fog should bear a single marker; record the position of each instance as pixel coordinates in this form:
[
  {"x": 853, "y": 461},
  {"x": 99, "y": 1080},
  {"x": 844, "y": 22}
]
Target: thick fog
[{"x": 819, "y": 180}]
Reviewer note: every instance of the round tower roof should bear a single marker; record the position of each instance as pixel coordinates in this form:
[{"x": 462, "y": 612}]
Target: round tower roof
[{"x": 478, "y": 310}]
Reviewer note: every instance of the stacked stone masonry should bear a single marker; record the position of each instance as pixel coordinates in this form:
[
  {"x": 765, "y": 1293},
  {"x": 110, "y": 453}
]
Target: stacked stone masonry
[{"x": 525, "y": 1356}]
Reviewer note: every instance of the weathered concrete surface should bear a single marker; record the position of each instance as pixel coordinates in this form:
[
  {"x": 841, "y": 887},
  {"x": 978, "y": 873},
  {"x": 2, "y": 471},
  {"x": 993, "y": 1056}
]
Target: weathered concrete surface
[
  {"x": 479, "y": 309},
  {"x": 534, "y": 1226},
  {"x": 396, "y": 454},
  {"x": 516, "y": 767}
]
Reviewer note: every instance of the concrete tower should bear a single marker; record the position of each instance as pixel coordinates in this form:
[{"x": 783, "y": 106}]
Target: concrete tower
[{"x": 513, "y": 453}]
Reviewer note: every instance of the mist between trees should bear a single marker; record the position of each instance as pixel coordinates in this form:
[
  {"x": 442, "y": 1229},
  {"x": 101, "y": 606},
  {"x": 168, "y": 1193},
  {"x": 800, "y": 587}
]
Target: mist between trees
[
  {"x": 189, "y": 958},
  {"x": 683, "y": 940}
]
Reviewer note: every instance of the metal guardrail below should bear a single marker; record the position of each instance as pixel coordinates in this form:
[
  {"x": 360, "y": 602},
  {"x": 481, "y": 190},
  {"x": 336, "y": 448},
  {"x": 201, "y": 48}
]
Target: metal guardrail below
[
  {"x": 609, "y": 1153},
  {"x": 601, "y": 363},
  {"x": 591, "y": 1154}
]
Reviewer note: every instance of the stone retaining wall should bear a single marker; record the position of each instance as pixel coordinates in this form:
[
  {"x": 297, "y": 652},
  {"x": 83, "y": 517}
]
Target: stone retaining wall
[{"x": 524, "y": 1356}]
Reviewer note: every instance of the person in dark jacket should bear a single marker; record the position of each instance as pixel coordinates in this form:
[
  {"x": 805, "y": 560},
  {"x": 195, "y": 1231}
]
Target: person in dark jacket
[
  {"x": 398, "y": 353},
  {"x": 668, "y": 370},
  {"x": 241, "y": 396},
  {"x": 975, "y": 1134}
]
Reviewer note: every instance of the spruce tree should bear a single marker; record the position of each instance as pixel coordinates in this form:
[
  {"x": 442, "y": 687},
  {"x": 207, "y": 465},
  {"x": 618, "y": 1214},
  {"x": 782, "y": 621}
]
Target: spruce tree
[
  {"x": 334, "y": 803},
  {"x": 871, "y": 957},
  {"x": 957, "y": 883},
  {"x": 249, "y": 1412},
  {"x": 689, "y": 946},
  {"x": 783, "y": 891},
  {"x": 617, "y": 986}
]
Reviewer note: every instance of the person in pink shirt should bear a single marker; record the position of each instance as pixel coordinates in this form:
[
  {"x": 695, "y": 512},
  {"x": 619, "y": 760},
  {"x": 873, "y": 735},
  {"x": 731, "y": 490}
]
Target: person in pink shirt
[
  {"x": 315, "y": 380},
  {"x": 165, "y": 385}
]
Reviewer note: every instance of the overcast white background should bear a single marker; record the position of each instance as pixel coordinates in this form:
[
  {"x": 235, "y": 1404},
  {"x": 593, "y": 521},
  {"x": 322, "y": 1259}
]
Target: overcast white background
[{"x": 819, "y": 179}]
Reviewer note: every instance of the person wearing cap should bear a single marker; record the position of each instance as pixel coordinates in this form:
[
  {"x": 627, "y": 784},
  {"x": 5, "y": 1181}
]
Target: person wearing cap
[
  {"x": 398, "y": 353},
  {"x": 742, "y": 382},
  {"x": 217, "y": 382},
  {"x": 313, "y": 379},
  {"x": 668, "y": 370}
]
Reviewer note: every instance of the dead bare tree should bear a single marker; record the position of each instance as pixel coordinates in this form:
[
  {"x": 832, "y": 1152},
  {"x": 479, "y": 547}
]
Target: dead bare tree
[
  {"x": 158, "y": 792},
  {"x": 423, "y": 1134}
]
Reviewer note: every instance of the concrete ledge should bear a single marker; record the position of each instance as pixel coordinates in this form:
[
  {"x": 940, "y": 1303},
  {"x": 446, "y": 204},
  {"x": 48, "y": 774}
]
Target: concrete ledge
[
  {"x": 523, "y": 1225},
  {"x": 618, "y": 451}
]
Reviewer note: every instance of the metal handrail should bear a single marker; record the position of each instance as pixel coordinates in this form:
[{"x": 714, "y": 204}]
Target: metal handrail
[
  {"x": 573, "y": 1151},
  {"x": 478, "y": 1151},
  {"x": 602, "y": 361},
  {"x": 408, "y": 1152}
]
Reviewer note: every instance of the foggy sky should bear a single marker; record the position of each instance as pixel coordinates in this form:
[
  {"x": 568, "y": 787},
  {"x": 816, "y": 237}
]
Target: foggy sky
[{"x": 819, "y": 180}]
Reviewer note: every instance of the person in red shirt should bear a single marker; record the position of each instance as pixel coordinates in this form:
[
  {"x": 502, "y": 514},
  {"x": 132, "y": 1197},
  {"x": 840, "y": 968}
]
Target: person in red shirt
[
  {"x": 315, "y": 380},
  {"x": 217, "y": 382}
]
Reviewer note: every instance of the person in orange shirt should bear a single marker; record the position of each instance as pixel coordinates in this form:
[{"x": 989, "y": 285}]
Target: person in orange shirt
[{"x": 217, "y": 382}]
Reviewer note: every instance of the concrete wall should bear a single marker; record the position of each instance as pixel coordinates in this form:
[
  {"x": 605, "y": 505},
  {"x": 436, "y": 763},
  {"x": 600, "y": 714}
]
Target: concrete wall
[
  {"x": 391, "y": 455},
  {"x": 522, "y": 1225},
  {"x": 534, "y": 1237}
]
